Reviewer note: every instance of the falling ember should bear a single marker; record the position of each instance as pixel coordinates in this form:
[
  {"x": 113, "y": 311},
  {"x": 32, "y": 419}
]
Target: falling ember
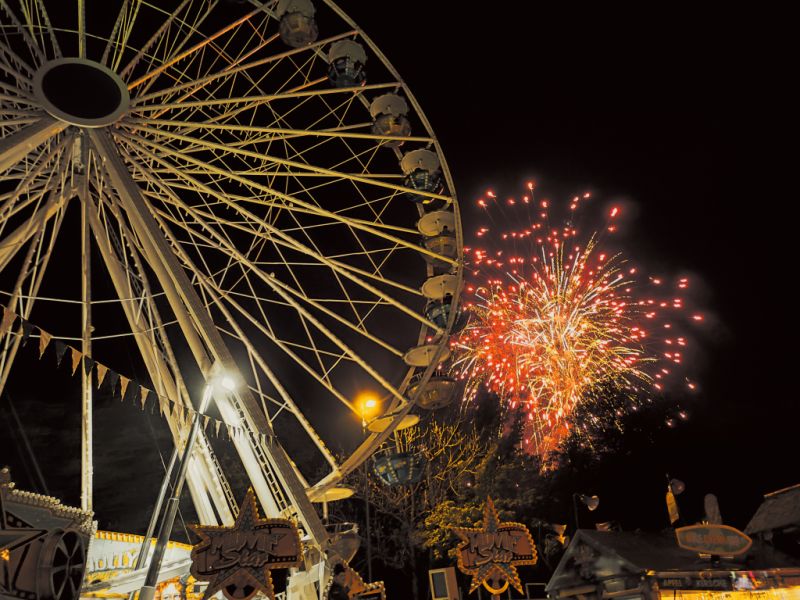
[{"x": 564, "y": 328}]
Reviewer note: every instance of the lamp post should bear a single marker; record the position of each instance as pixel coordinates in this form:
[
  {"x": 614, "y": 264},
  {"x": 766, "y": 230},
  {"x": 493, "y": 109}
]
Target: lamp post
[
  {"x": 149, "y": 588},
  {"x": 367, "y": 405},
  {"x": 591, "y": 502}
]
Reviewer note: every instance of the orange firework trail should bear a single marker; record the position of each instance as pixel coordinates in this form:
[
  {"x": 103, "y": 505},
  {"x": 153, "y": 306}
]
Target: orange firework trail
[{"x": 555, "y": 321}]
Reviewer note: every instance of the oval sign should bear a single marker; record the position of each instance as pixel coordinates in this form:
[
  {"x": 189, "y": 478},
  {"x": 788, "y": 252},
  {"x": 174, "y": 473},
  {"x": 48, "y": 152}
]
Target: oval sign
[{"x": 720, "y": 540}]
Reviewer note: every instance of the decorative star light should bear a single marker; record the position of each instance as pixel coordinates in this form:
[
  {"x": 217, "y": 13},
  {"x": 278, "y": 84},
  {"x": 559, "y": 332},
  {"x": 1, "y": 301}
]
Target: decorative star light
[
  {"x": 493, "y": 553},
  {"x": 237, "y": 560}
]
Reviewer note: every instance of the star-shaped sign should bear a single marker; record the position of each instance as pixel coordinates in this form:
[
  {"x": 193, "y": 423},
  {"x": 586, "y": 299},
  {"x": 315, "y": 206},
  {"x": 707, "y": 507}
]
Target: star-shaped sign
[
  {"x": 237, "y": 560},
  {"x": 493, "y": 553}
]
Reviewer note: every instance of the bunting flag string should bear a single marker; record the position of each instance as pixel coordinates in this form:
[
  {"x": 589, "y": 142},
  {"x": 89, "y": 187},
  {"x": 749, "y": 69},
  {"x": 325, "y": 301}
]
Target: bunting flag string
[
  {"x": 61, "y": 349},
  {"x": 44, "y": 342},
  {"x": 101, "y": 374},
  {"x": 123, "y": 387},
  {"x": 128, "y": 388},
  {"x": 9, "y": 316},
  {"x": 76, "y": 358}
]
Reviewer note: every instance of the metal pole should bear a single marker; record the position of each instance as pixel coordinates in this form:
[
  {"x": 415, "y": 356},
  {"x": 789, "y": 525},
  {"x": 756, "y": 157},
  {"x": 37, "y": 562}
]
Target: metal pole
[
  {"x": 148, "y": 590},
  {"x": 366, "y": 497},
  {"x": 575, "y": 508},
  {"x": 87, "y": 431},
  {"x": 151, "y": 526},
  {"x": 369, "y": 536}
]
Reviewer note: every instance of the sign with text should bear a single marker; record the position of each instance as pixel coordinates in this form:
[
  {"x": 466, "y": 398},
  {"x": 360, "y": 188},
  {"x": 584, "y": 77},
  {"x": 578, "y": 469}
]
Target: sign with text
[
  {"x": 237, "y": 560},
  {"x": 492, "y": 553},
  {"x": 718, "y": 540}
]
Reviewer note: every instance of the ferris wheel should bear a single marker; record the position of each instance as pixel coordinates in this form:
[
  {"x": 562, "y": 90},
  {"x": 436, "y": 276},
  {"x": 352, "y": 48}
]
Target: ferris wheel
[{"x": 255, "y": 192}]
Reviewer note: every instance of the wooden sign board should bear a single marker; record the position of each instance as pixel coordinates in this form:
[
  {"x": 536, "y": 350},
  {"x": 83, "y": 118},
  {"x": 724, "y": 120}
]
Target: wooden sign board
[
  {"x": 492, "y": 553},
  {"x": 717, "y": 540},
  {"x": 237, "y": 560}
]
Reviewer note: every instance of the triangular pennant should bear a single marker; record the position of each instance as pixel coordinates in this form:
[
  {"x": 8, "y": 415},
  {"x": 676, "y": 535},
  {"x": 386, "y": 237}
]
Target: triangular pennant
[
  {"x": 61, "y": 349},
  {"x": 113, "y": 379},
  {"x": 9, "y": 316},
  {"x": 101, "y": 374},
  {"x": 88, "y": 363},
  {"x": 44, "y": 341},
  {"x": 206, "y": 419},
  {"x": 123, "y": 387},
  {"x": 143, "y": 398},
  {"x": 27, "y": 330},
  {"x": 230, "y": 431},
  {"x": 216, "y": 427},
  {"x": 76, "y": 359}
]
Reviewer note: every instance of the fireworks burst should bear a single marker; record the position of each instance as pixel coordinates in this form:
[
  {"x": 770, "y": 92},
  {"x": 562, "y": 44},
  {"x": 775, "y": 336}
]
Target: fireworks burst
[{"x": 556, "y": 321}]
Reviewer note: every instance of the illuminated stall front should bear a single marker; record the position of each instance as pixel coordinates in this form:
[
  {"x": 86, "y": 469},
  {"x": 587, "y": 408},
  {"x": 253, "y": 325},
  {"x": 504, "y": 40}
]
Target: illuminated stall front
[{"x": 652, "y": 566}]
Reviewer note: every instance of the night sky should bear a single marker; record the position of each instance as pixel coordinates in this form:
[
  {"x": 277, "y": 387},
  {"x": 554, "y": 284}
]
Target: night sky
[
  {"x": 659, "y": 110},
  {"x": 664, "y": 110}
]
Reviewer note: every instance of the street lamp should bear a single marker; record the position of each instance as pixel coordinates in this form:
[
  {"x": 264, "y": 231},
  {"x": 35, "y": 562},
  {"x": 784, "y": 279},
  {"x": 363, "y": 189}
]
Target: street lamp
[
  {"x": 590, "y": 502},
  {"x": 228, "y": 384},
  {"x": 367, "y": 405}
]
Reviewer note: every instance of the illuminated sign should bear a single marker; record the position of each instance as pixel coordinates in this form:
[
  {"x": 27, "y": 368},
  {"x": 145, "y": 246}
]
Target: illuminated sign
[
  {"x": 237, "y": 560},
  {"x": 718, "y": 540},
  {"x": 492, "y": 553}
]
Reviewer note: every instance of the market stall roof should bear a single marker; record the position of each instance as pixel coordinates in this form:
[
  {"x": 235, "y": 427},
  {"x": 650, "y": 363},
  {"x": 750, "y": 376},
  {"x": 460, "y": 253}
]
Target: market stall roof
[{"x": 779, "y": 510}]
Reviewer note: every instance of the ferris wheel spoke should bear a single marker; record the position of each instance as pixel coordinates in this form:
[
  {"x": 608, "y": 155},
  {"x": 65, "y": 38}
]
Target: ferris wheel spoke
[
  {"x": 164, "y": 46},
  {"x": 17, "y": 95},
  {"x": 236, "y": 70},
  {"x": 192, "y": 111},
  {"x": 137, "y": 105},
  {"x": 285, "y": 347},
  {"x": 348, "y": 271},
  {"x": 14, "y": 240},
  {"x": 178, "y": 56},
  {"x": 341, "y": 132},
  {"x": 16, "y": 146},
  {"x": 47, "y": 162},
  {"x": 33, "y": 270},
  {"x": 120, "y": 33},
  {"x": 302, "y": 167},
  {"x": 277, "y": 286},
  {"x": 370, "y": 229},
  {"x": 144, "y": 51},
  {"x": 24, "y": 31},
  {"x": 15, "y": 64}
]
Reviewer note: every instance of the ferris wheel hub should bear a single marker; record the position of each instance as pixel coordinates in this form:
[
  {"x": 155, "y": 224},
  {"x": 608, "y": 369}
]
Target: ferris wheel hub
[{"x": 81, "y": 92}]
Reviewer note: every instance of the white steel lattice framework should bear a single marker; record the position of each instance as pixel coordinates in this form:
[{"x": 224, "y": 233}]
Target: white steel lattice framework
[{"x": 241, "y": 206}]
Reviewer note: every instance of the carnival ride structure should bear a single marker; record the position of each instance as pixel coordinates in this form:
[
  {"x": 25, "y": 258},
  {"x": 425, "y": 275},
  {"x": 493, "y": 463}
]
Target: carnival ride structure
[{"x": 268, "y": 201}]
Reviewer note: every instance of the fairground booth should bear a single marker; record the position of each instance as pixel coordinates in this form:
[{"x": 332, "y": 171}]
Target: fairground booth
[{"x": 633, "y": 565}]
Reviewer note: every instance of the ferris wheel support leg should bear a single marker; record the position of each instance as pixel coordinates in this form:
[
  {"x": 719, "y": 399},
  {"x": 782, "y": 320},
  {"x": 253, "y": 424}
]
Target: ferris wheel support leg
[
  {"x": 14, "y": 147},
  {"x": 204, "y": 466},
  {"x": 157, "y": 369},
  {"x": 193, "y": 318},
  {"x": 87, "y": 412}
]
